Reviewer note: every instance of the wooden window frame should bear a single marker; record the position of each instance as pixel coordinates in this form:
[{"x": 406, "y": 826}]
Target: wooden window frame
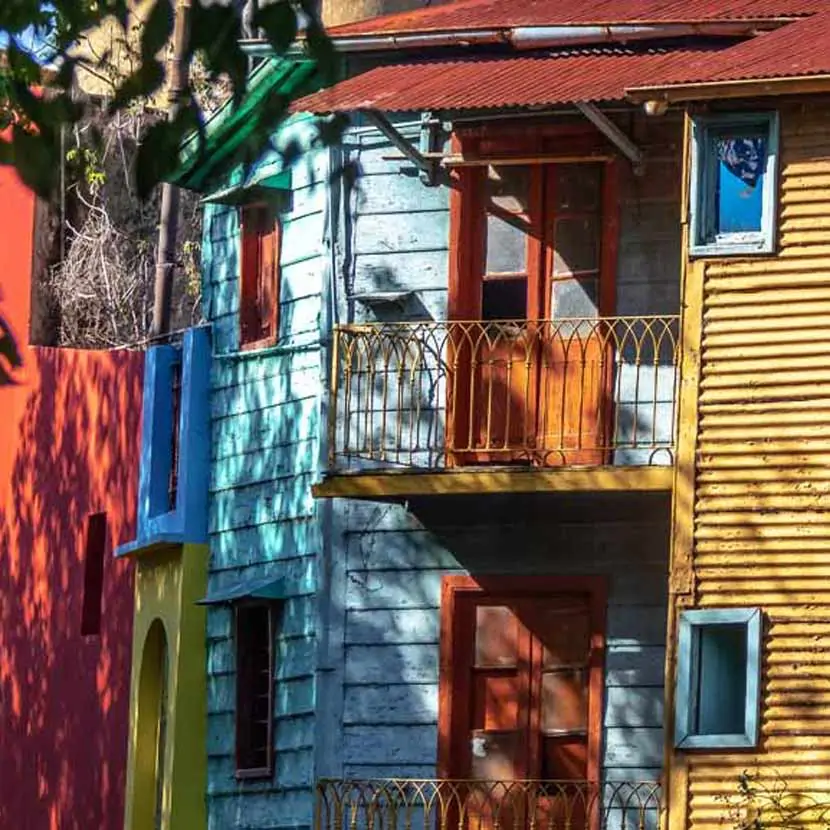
[
  {"x": 243, "y": 693},
  {"x": 691, "y": 623},
  {"x": 703, "y": 240},
  {"x": 453, "y": 587},
  {"x": 250, "y": 313}
]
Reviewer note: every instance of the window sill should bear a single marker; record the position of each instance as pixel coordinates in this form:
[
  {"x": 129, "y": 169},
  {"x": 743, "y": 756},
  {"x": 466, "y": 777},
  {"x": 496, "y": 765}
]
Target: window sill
[
  {"x": 716, "y": 742},
  {"x": 252, "y": 774},
  {"x": 257, "y": 345},
  {"x": 727, "y": 249}
]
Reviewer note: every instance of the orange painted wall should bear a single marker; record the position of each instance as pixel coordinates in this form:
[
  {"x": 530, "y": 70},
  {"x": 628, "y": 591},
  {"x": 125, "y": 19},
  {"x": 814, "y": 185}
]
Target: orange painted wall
[{"x": 69, "y": 445}]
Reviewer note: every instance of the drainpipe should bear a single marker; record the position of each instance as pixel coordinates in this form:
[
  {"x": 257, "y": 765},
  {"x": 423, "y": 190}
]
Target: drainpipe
[{"x": 169, "y": 217}]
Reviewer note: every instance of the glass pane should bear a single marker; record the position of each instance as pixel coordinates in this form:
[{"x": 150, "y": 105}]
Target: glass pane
[
  {"x": 504, "y": 299},
  {"x": 494, "y": 755},
  {"x": 566, "y": 637},
  {"x": 564, "y": 701},
  {"x": 721, "y": 679},
  {"x": 739, "y": 183},
  {"x": 576, "y": 245},
  {"x": 506, "y": 245},
  {"x": 577, "y": 187},
  {"x": 575, "y": 297},
  {"x": 564, "y": 759},
  {"x": 497, "y": 632},
  {"x": 508, "y": 187}
]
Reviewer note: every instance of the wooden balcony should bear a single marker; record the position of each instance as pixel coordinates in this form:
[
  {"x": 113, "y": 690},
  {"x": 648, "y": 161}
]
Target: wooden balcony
[
  {"x": 442, "y": 804},
  {"x": 581, "y": 400}
]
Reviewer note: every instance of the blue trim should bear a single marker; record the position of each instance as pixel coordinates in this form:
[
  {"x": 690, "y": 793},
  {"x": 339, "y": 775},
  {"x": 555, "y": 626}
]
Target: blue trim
[
  {"x": 702, "y": 242},
  {"x": 187, "y": 521},
  {"x": 691, "y": 623}
]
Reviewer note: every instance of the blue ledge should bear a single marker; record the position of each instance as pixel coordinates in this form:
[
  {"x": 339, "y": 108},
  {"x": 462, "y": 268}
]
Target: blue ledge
[{"x": 151, "y": 544}]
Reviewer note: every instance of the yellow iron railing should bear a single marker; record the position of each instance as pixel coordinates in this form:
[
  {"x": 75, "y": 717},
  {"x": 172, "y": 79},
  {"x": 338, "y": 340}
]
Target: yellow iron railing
[
  {"x": 443, "y": 804},
  {"x": 571, "y": 391}
]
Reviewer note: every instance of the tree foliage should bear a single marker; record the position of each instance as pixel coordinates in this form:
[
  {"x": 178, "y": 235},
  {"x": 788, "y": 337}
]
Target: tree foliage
[{"x": 35, "y": 30}]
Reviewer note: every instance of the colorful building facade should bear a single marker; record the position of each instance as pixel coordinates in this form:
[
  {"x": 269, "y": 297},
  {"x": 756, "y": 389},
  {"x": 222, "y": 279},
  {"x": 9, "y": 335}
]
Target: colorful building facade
[{"x": 68, "y": 464}]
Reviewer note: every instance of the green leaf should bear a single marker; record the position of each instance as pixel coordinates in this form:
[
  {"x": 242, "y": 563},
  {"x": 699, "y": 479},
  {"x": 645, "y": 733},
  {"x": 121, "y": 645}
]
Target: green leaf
[
  {"x": 157, "y": 29},
  {"x": 279, "y": 20}
]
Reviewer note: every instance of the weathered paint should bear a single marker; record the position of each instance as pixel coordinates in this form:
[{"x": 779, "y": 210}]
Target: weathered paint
[
  {"x": 385, "y": 601},
  {"x": 168, "y": 584},
  {"x": 756, "y": 493},
  {"x": 69, "y": 446},
  {"x": 262, "y": 519}
]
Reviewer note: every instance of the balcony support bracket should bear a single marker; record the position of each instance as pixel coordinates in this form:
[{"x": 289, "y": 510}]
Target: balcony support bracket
[
  {"x": 614, "y": 134},
  {"x": 427, "y": 166}
]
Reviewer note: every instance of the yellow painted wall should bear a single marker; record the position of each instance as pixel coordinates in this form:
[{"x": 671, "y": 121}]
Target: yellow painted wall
[
  {"x": 168, "y": 583},
  {"x": 752, "y": 497}
]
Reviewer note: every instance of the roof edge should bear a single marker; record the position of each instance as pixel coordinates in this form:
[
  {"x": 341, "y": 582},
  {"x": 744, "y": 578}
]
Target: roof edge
[{"x": 742, "y": 88}]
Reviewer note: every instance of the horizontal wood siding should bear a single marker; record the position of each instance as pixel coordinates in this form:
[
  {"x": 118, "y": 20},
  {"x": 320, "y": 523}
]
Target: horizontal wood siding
[
  {"x": 762, "y": 516},
  {"x": 265, "y": 430},
  {"x": 390, "y": 594}
]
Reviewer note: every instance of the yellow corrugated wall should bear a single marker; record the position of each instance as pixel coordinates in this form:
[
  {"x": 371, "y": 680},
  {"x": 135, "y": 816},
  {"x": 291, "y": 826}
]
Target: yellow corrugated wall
[{"x": 761, "y": 501}]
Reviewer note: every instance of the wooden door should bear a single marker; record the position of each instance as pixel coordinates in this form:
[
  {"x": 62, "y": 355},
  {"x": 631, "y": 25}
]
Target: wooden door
[
  {"x": 495, "y": 349},
  {"x": 521, "y": 691},
  {"x": 574, "y": 410}
]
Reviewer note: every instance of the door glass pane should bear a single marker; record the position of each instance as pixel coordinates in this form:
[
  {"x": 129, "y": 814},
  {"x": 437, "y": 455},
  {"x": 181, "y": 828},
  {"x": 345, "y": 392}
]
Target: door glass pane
[
  {"x": 497, "y": 631},
  {"x": 506, "y": 245},
  {"x": 576, "y": 245},
  {"x": 566, "y": 638},
  {"x": 508, "y": 186},
  {"x": 504, "y": 299},
  {"x": 494, "y": 755},
  {"x": 577, "y": 187},
  {"x": 575, "y": 297},
  {"x": 564, "y": 759},
  {"x": 564, "y": 701}
]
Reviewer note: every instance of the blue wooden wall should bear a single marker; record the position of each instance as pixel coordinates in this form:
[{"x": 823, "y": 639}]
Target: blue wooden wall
[{"x": 265, "y": 433}]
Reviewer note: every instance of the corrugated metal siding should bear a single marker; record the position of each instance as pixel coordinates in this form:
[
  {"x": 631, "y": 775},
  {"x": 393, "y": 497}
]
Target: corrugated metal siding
[
  {"x": 762, "y": 514},
  {"x": 475, "y": 14}
]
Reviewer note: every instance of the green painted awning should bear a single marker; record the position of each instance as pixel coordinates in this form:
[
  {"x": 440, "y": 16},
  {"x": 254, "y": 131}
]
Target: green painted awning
[
  {"x": 231, "y": 126},
  {"x": 260, "y": 187},
  {"x": 266, "y": 588}
]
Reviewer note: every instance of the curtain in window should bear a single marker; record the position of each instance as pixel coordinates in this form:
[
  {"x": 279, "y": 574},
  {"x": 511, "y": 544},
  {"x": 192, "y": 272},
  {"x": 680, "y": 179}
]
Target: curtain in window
[{"x": 745, "y": 158}]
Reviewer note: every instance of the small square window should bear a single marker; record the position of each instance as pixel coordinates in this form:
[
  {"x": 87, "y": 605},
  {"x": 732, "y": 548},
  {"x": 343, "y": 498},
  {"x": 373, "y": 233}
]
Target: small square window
[
  {"x": 733, "y": 193},
  {"x": 260, "y": 277},
  {"x": 255, "y": 634},
  {"x": 718, "y": 679}
]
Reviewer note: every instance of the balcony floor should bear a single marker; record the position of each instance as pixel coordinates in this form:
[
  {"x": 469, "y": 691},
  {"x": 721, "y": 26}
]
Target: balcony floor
[{"x": 399, "y": 484}]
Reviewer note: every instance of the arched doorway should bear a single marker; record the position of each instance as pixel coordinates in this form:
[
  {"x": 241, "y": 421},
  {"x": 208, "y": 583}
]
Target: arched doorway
[{"x": 151, "y": 726}]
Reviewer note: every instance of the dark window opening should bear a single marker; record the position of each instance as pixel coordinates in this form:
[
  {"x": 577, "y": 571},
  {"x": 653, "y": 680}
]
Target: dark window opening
[
  {"x": 255, "y": 632},
  {"x": 504, "y": 299},
  {"x": 720, "y": 680},
  {"x": 176, "y": 395},
  {"x": 96, "y": 542}
]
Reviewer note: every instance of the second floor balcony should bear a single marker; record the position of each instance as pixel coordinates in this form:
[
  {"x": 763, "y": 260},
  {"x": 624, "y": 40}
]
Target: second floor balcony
[{"x": 565, "y": 393}]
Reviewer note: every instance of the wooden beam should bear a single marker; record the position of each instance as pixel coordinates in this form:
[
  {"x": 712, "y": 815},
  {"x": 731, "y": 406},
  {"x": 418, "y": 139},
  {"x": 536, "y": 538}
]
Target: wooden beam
[
  {"x": 720, "y": 90},
  {"x": 395, "y": 484},
  {"x": 612, "y": 132}
]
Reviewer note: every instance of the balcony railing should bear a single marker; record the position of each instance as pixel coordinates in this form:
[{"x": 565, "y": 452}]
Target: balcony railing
[
  {"x": 570, "y": 391},
  {"x": 441, "y": 804}
]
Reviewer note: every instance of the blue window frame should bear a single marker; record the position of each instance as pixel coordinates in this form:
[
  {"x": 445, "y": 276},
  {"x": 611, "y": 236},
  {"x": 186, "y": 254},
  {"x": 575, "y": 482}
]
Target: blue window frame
[
  {"x": 718, "y": 679},
  {"x": 734, "y": 184}
]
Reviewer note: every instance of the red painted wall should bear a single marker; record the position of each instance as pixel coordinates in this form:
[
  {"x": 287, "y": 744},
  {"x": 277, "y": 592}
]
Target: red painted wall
[{"x": 69, "y": 446}]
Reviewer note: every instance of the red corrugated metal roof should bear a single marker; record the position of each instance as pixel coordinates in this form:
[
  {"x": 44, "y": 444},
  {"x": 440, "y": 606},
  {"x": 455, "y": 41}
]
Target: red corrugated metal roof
[
  {"x": 596, "y": 75},
  {"x": 487, "y": 14},
  {"x": 795, "y": 50}
]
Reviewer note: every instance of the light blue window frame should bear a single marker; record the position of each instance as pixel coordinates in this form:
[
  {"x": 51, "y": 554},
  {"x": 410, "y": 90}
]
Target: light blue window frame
[
  {"x": 704, "y": 239},
  {"x": 692, "y": 624}
]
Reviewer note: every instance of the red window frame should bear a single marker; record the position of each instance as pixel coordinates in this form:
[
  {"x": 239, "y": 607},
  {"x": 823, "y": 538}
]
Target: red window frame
[
  {"x": 259, "y": 284},
  {"x": 255, "y": 688}
]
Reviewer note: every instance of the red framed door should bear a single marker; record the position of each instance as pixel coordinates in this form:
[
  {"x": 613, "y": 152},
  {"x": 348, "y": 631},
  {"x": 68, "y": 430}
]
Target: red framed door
[
  {"x": 521, "y": 698},
  {"x": 531, "y": 242}
]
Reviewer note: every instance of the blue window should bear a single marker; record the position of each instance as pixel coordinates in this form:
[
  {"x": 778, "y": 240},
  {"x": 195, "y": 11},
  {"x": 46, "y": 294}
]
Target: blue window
[
  {"x": 733, "y": 193},
  {"x": 718, "y": 679}
]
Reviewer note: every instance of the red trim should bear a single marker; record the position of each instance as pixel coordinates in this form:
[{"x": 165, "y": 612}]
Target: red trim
[
  {"x": 259, "y": 278},
  {"x": 453, "y": 693}
]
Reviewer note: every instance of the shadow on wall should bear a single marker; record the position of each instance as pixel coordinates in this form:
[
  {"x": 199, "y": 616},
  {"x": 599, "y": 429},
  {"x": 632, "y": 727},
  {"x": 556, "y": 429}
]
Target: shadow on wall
[{"x": 70, "y": 441}]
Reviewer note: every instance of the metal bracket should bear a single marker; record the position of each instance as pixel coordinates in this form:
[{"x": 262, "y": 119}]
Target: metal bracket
[
  {"x": 427, "y": 166},
  {"x": 614, "y": 134}
]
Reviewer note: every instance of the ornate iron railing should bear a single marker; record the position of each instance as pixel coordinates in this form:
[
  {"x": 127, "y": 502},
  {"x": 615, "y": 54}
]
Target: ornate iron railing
[
  {"x": 570, "y": 391},
  {"x": 442, "y": 804}
]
